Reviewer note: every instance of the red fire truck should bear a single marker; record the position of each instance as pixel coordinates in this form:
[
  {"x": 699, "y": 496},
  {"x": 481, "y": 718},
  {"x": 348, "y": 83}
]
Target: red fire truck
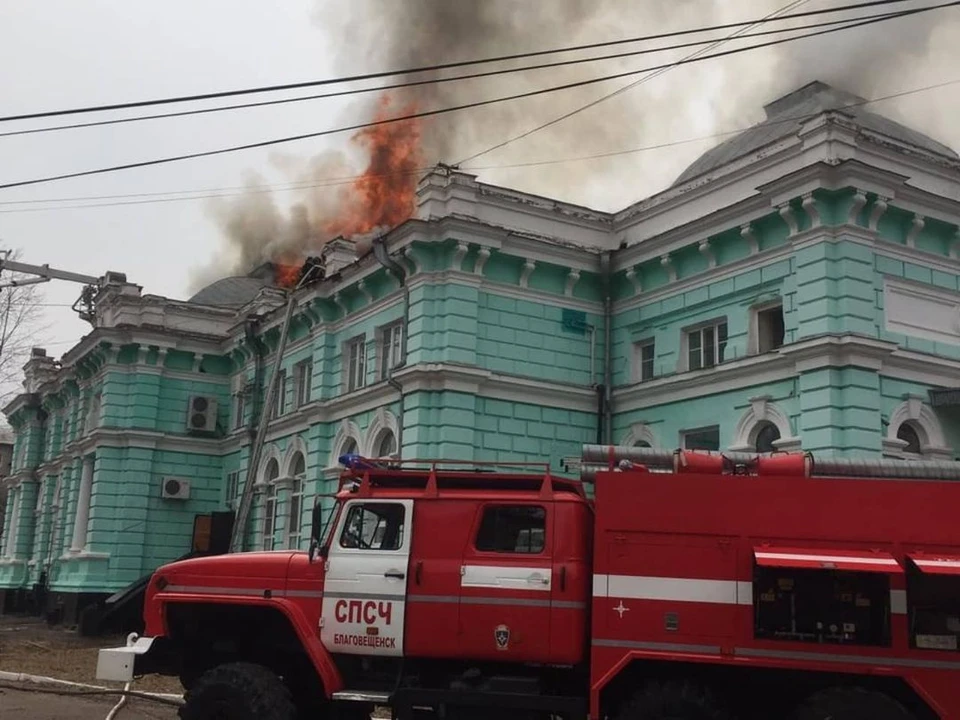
[{"x": 687, "y": 585}]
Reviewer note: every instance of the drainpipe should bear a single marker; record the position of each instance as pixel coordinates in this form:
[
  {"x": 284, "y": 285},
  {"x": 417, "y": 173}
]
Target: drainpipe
[
  {"x": 607, "y": 346},
  {"x": 392, "y": 266}
]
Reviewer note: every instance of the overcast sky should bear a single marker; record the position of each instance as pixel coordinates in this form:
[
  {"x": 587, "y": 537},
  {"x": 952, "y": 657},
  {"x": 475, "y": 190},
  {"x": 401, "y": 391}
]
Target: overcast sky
[{"x": 60, "y": 54}]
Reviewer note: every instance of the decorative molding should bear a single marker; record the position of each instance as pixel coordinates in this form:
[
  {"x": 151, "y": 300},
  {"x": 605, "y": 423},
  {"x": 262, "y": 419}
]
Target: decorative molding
[
  {"x": 925, "y": 422},
  {"x": 921, "y": 311},
  {"x": 338, "y": 300},
  {"x": 859, "y": 202},
  {"x": 879, "y": 208},
  {"x": 383, "y": 422},
  {"x": 747, "y": 233},
  {"x": 708, "y": 253},
  {"x": 955, "y": 245},
  {"x": 667, "y": 264},
  {"x": 347, "y": 430},
  {"x": 295, "y": 446},
  {"x": 916, "y": 227},
  {"x": 483, "y": 254},
  {"x": 633, "y": 277},
  {"x": 270, "y": 453},
  {"x": 786, "y": 212},
  {"x": 411, "y": 260},
  {"x": 809, "y": 205},
  {"x": 762, "y": 411},
  {"x": 527, "y": 271},
  {"x": 459, "y": 254},
  {"x": 362, "y": 287},
  {"x": 640, "y": 432},
  {"x": 573, "y": 277}
]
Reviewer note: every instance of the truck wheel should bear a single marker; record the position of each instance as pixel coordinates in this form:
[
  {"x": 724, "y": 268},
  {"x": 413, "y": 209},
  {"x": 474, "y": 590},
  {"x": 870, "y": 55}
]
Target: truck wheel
[
  {"x": 670, "y": 701},
  {"x": 850, "y": 703},
  {"x": 238, "y": 691}
]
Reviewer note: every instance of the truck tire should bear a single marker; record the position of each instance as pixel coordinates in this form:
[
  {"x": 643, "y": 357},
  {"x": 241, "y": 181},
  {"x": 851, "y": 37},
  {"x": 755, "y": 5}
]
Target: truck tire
[
  {"x": 239, "y": 691},
  {"x": 670, "y": 701},
  {"x": 850, "y": 703}
]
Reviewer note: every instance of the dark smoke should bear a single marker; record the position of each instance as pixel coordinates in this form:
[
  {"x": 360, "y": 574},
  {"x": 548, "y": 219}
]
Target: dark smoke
[{"x": 696, "y": 100}]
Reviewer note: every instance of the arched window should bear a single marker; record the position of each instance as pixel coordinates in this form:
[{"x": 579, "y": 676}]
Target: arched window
[
  {"x": 271, "y": 473},
  {"x": 294, "y": 522},
  {"x": 908, "y": 433},
  {"x": 349, "y": 446},
  {"x": 387, "y": 444},
  {"x": 766, "y": 434},
  {"x": 641, "y": 444}
]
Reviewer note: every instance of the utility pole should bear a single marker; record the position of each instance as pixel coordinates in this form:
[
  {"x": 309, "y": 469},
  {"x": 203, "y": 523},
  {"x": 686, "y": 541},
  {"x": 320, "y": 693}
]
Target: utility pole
[
  {"x": 45, "y": 273},
  {"x": 310, "y": 269}
]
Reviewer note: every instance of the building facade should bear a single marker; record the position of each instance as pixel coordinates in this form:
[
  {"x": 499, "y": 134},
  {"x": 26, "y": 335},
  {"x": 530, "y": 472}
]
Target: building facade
[{"x": 796, "y": 288}]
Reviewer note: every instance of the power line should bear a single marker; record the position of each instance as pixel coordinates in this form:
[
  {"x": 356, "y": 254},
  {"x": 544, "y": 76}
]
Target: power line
[
  {"x": 330, "y": 182},
  {"x": 439, "y": 111},
  {"x": 414, "y": 70},
  {"x": 433, "y": 81}
]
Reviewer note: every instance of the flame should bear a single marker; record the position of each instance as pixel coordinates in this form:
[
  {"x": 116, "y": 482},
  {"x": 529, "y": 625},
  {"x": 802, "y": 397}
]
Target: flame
[
  {"x": 286, "y": 275},
  {"x": 385, "y": 194}
]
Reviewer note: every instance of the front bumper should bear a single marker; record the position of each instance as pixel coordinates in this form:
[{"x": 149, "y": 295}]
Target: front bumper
[{"x": 120, "y": 664}]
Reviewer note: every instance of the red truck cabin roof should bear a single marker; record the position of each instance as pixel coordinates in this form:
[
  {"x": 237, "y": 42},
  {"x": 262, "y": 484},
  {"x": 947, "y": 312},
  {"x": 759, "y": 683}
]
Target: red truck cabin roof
[{"x": 851, "y": 575}]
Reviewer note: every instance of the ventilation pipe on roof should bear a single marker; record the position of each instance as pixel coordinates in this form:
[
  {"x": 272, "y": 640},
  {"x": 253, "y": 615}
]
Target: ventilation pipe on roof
[{"x": 393, "y": 267}]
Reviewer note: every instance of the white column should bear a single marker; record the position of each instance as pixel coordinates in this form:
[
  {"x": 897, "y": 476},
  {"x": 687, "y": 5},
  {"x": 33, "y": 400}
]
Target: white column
[{"x": 83, "y": 506}]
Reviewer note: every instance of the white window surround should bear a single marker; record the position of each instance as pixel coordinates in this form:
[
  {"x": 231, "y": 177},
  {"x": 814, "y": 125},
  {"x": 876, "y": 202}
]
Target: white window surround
[
  {"x": 389, "y": 347},
  {"x": 640, "y": 432},
  {"x": 303, "y": 380},
  {"x": 354, "y": 363},
  {"x": 270, "y": 453},
  {"x": 295, "y": 447},
  {"x": 347, "y": 431},
  {"x": 383, "y": 422},
  {"x": 761, "y": 411},
  {"x": 924, "y": 421}
]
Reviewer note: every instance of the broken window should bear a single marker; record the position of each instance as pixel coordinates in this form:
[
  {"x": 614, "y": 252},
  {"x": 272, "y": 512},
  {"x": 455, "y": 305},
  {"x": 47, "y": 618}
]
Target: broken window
[{"x": 770, "y": 328}]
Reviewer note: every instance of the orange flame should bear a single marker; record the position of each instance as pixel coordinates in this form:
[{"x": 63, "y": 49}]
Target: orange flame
[
  {"x": 286, "y": 275},
  {"x": 384, "y": 195}
]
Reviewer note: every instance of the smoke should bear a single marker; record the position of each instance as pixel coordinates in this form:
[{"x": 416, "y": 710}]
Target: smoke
[{"x": 700, "y": 99}]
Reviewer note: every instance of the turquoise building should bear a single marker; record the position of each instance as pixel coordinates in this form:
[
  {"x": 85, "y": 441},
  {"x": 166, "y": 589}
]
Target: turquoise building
[{"x": 795, "y": 288}]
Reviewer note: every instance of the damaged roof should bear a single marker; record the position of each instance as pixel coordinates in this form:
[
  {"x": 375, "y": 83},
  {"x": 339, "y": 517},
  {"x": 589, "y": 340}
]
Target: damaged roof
[{"x": 230, "y": 292}]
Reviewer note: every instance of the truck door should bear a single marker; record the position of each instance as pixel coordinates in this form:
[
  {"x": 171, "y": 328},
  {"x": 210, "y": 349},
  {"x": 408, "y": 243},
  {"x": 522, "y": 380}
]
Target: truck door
[
  {"x": 506, "y": 583},
  {"x": 364, "y": 594}
]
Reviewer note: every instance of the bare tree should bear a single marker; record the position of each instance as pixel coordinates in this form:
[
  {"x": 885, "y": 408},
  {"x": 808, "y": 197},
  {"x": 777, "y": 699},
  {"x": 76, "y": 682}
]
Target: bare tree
[{"x": 20, "y": 316}]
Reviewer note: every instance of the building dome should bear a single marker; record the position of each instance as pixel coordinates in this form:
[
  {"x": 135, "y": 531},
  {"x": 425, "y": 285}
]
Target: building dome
[
  {"x": 786, "y": 115},
  {"x": 230, "y": 292}
]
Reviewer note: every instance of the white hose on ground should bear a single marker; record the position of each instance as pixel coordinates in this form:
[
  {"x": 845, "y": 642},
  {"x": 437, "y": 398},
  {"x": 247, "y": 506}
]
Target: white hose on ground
[{"x": 115, "y": 710}]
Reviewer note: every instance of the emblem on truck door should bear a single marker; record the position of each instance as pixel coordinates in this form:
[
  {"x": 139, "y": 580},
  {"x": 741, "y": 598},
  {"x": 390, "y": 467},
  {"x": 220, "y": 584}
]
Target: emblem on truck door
[{"x": 502, "y": 636}]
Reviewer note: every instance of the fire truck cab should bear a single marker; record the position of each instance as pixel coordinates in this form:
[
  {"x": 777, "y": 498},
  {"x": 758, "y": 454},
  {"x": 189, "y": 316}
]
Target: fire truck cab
[{"x": 690, "y": 586}]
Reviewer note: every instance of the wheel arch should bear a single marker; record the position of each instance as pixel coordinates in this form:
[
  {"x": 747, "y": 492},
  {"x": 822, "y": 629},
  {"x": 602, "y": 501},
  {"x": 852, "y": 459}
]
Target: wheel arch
[{"x": 281, "y": 625}]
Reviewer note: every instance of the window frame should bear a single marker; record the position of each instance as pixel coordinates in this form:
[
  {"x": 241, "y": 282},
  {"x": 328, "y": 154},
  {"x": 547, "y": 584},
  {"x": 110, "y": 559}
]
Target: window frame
[
  {"x": 355, "y": 373},
  {"x": 390, "y": 338},
  {"x": 232, "y": 489},
  {"x": 639, "y": 347},
  {"x": 486, "y": 507},
  {"x": 756, "y": 341},
  {"x": 698, "y": 330},
  {"x": 348, "y": 511},
  {"x": 302, "y": 381},
  {"x": 268, "y": 540},
  {"x": 279, "y": 406}
]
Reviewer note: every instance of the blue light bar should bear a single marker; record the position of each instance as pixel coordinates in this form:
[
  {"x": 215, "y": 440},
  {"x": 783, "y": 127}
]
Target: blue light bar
[{"x": 353, "y": 461}]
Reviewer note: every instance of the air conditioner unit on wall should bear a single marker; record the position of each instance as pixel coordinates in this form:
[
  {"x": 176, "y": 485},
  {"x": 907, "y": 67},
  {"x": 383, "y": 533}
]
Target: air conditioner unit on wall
[
  {"x": 202, "y": 414},
  {"x": 173, "y": 488}
]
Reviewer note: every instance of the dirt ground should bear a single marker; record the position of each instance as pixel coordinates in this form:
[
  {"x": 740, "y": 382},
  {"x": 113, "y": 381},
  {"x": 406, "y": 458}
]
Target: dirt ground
[
  {"x": 25, "y": 705},
  {"x": 28, "y": 645}
]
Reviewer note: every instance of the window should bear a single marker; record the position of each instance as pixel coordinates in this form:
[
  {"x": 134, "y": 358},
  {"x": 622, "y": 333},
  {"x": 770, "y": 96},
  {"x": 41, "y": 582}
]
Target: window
[
  {"x": 767, "y": 434},
  {"x": 239, "y": 400},
  {"x": 770, "y": 328},
  {"x": 513, "y": 529},
  {"x": 302, "y": 377},
  {"x": 270, "y": 503},
  {"x": 390, "y": 348},
  {"x": 911, "y": 437},
  {"x": 233, "y": 489},
  {"x": 702, "y": 439},
  {"x": 373, "y": 526},
  {"x": 280, "y": 396},
  {"x": 387, "y": 445},
  {"x": 350, "y": 447},
  {"x": 296, "y": 502},
  {"x": 643, "y": 358},
  {"x": 356, "y": 367},
  {"x": 706, "y": 345}
]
